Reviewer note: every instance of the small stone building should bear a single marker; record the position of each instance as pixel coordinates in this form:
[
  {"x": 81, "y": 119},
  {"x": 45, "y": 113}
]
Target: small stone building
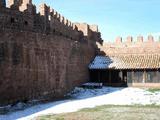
[{"x": 142, "y": 70}]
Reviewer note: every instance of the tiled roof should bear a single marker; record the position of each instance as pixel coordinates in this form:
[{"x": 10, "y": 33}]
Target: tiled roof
[{"x": 133, "y": 61}]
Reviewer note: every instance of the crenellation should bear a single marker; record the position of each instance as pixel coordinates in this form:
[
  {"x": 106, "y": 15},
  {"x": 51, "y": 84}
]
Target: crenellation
[
  {"x": 140, "y": 39},
  {"x": 62, "y": 19},
  {"x": 14, "y": 4},
  {"x": 89, "y": 31},
  {"x": 132, "y": 47},
  {"x": 55, "y": 14},
  {"x": 52, "y": 11},
  {"x": 73, "y": 26},
  {"x": 150, "y": 38},
  {"x": 94, "y": 28},
  {"x": 82, "y": 27},
  {"x": 52, "y": 14},
  {"x": 129, "y": 39},
  {"x": 65, "y": 21},
  {"x": 69, "y": 23},
  {"x": 42, "y": 9},
  {"x": 27, "y": 6},
  {"x": 119, "y": 40},
  {"x": 48, "y": 21},
  {"x": 44, "y": 50},
  {"x": 58, "y": 17}
]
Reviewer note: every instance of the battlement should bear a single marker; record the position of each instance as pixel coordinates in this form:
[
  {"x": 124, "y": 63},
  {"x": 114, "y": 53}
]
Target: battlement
[
  {"x": 90, "y": 31},
  {"x": 45, "y": 49},
  {"x": 14, "y": 4},
  {"x": 94, "y": 28},
  {"x": 139, "y": 39},
  {"x": 23, "y": 16},
  {"x": 22, "y": 5},
  {"x": 52, "y": 15},
  {"x": 44, "y": 10},
  {"x": 139, "y": 45},
  {"x": 84, "y": 27}
]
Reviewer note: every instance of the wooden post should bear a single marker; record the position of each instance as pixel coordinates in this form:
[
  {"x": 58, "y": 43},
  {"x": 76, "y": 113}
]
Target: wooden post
[
  {"x": 133, "y": 81},
  {"x": 144, "y": 77},
  {"x": 109, "y": 77},
  {"x": 157, "y": 74},
  {"x": 99, "y": 76},
  {"x": 121, "y": 76}
]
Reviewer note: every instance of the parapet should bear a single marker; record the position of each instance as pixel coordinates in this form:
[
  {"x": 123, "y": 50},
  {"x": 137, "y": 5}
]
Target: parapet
[
  {"x": 69, "y": 23},
  {"x": 44, "y": 10},
  {"x": 66, "y": 22},
  {"x": 94, "y": 28},
  {"x": 27, "y": 5},
  {"x": 119, "y": 39},
  {"x": 140, "y": 39},
  {"x": 129, "y": 39},
  {"x": 84, "y": 27},
  {"x": 14, "y": 4},
  {"x": 22, "y": 5},
  {"x": 62, "y": 19},
  {"x": 47, "y": 21},
  {"x": 150, "y": 38}
]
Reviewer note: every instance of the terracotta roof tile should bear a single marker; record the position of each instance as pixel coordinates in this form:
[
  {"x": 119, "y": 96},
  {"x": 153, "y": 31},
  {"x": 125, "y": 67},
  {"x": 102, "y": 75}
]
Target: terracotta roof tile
[{"x": 132, "y": 61}]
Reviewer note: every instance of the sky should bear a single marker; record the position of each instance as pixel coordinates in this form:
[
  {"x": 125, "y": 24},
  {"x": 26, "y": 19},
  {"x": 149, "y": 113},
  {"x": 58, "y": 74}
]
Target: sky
[{"x": 114, "y": 17}]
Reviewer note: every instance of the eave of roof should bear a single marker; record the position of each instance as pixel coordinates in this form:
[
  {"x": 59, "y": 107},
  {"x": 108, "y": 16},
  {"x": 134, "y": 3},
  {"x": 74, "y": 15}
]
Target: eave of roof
[{"x": 133, "y": 61}]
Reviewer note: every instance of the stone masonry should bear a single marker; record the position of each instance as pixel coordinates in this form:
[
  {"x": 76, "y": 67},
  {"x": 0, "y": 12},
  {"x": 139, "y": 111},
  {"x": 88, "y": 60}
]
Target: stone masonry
[
  {"x": 42, "y": 54},
  {"x": 130, "y": 46}
]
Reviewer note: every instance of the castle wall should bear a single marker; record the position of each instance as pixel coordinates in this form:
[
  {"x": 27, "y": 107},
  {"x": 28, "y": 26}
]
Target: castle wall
[
  {"x": 130, "y": 46},
  {"x": 33, "y": 65},
  {"x": 41, "y": 54}
]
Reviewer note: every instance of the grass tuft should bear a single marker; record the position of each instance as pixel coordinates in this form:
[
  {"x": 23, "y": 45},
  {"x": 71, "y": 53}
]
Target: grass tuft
[
  {"x": 153, "y": 90},
  {"x": 108, "y": 112}
]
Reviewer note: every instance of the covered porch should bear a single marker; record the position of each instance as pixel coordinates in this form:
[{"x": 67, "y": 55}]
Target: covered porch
[
  {"x": 109, "y": 77},
  {"x": 120, "y": 71}
]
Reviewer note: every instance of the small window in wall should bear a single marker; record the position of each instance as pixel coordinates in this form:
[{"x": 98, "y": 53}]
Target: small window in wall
[
  {"x": 25, "y": 22},
  {"x": 12, "y": 20}
]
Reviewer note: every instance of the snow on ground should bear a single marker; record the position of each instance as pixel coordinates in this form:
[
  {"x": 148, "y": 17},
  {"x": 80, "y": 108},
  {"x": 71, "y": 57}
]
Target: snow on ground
[{"x": 88, "y": 98}]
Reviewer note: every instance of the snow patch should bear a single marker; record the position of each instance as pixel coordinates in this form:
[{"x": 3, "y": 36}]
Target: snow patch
[{"x": 88, "y": 98}]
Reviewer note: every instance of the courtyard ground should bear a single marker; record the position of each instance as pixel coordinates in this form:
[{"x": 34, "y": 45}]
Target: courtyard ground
[
  {"x": 82, "y": 98},
  {"x": 109, "y": 113}
]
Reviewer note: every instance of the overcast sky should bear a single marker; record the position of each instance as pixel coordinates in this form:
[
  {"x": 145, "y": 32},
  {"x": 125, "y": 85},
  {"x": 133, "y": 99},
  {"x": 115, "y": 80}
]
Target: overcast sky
[{"x": 114, "y": 17}]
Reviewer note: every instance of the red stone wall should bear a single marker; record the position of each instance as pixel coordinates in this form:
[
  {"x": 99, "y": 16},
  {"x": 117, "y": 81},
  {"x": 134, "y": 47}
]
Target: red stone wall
[
  {"x": 34, "y": 65},
  {"x": 42, "y": 54}
]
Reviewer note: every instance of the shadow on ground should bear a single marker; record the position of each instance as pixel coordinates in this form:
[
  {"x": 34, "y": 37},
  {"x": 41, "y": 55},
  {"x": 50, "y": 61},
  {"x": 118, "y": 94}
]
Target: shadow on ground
[{"x": 76, "y": 95}]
